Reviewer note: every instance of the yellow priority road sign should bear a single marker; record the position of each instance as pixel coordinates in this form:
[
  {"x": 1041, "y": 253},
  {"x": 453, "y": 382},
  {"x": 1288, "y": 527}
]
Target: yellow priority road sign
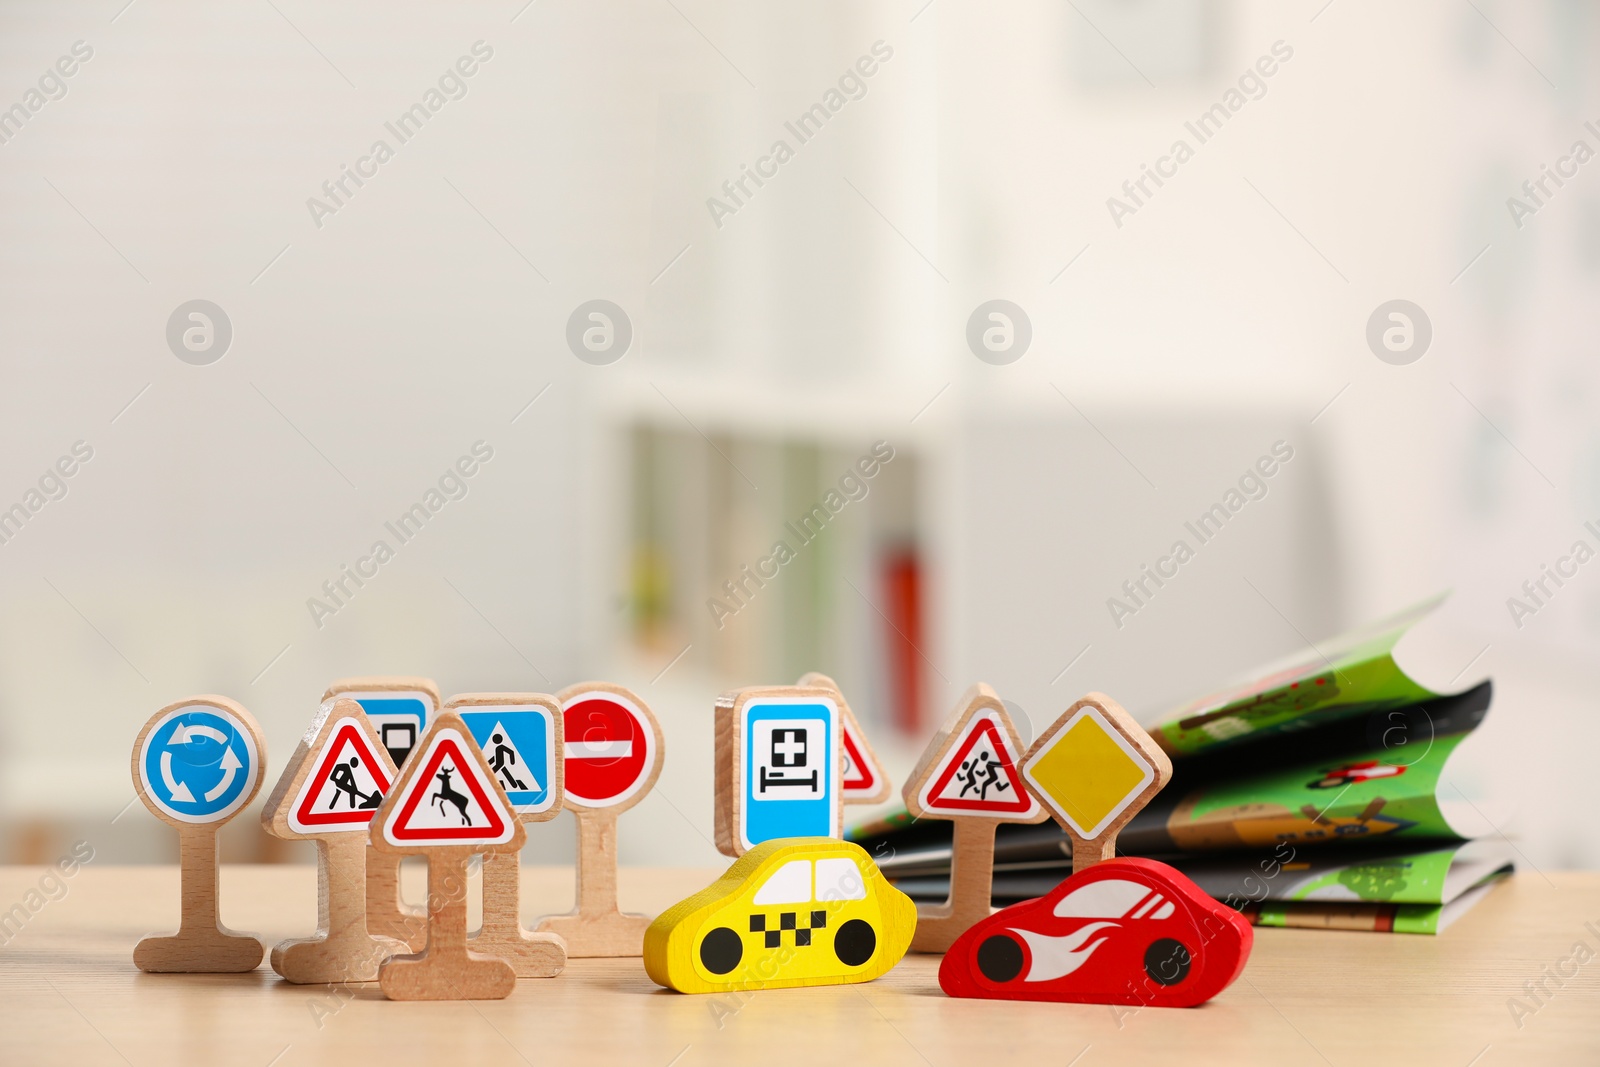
[{"x": 1094, "y": 768}]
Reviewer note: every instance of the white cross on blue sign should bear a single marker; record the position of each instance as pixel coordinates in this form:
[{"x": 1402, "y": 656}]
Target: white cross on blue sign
[{"x": 790, "y": 769}]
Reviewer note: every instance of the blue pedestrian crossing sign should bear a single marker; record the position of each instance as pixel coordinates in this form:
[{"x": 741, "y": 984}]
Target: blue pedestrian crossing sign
[
  {"x": 789, "y": 769},
  {"x": 519, "y": 744},
  {"x": 199, "y": 763}
]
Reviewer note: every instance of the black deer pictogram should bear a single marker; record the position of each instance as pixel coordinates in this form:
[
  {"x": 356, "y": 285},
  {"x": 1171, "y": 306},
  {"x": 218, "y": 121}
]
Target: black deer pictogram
[{"x": 447, "y": 795}]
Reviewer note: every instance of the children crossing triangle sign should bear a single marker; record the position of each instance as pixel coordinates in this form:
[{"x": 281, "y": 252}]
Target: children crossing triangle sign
[
  {"x": 448, "y": 796},
  {"x": 345, "y": 787},
  {"x": 977, "y": 775}
]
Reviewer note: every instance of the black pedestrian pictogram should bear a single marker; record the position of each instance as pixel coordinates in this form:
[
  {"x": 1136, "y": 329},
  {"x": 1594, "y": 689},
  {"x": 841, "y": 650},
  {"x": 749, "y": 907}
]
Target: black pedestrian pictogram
[
  {"x": 982, "y": 773},
  {"x": 343, "y": 777},
  {"x": 447, "y": 795},
  {"x": 504, "y": 754}
]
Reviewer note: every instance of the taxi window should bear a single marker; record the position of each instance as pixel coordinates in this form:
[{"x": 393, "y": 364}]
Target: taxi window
[
  {"x": 839, "y": 879},
  {"x": 789, "y": 884},
  {"x": 1110, "y": 898}
]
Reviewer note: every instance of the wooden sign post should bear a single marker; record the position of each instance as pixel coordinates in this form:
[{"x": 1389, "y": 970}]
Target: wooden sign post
[
  {"x": 968, "y": 774},
  {"x": 328, "y": 793},
  {"x": 196, "y": 763},
  {"x": 447, "y": 806},
  {"x": 400, "y": 709},
  {"x": 520, "y": 734},
  {"x": 863, "y": 780},
  {"x": 613, "y": 752},
  {"x": 778, "y": 766},
  {"x": 1095, "y": 768}
]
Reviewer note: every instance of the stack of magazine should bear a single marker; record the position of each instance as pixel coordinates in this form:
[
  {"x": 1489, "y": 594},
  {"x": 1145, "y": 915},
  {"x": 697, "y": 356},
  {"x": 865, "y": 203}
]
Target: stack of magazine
[{"x": 1307, "y": 796}]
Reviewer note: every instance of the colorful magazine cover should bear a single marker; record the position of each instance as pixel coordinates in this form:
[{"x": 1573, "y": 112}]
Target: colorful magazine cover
[
  {"x": 1335, "y": 760},
  {"x": 1352, "y": 674},
  {"x": 1349, "y": 795}
]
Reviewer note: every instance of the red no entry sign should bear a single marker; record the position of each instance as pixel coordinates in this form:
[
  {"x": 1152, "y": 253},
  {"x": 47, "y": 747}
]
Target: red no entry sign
[{"x": 612, "y": 746}]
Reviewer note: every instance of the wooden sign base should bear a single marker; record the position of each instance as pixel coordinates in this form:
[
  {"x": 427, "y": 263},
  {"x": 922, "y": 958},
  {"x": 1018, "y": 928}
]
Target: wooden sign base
[
  {"x": 202, "y": 944},
  {"x": 971, "y": 881},
  {"x": 341, "y": 950},
  {"x": 531, "y": 955},
  {"x": 447, "y": 969},
  {"x": 597, "y": 927},
  {"x": 388, "y": 915}
]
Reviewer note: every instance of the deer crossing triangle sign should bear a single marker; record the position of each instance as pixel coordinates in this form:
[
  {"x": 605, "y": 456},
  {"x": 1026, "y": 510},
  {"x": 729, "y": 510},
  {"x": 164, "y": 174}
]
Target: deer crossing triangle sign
[{"x": 449, "y": 799}]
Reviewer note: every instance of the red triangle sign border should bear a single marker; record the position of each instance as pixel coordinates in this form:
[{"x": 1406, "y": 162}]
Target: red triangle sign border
[
  {"x": 867, "y": 782},
  {"x": 985, "y": 722},
  {"x": 304, "y": 820},
  {"x": 446, "y": 742}
]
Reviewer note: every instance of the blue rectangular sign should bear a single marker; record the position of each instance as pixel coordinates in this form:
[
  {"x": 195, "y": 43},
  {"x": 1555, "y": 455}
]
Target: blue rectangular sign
[
  {"x": 790, "y": 770},
  {"x": 518, "y": 742}
]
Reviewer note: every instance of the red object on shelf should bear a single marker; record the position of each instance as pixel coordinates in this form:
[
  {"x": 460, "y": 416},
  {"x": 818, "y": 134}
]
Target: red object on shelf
[{"x": 902, "y": 588}]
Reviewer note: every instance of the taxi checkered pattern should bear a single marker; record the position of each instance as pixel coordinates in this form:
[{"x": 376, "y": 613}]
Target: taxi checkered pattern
[{"x": 789, "y": 920}]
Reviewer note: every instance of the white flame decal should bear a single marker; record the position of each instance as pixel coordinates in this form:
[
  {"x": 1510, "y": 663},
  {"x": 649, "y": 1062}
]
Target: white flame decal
[{"x": 1055, "y": 957}]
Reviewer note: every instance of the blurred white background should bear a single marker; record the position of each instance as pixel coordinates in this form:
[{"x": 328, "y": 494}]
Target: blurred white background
[{"x": 773, "y": 345}]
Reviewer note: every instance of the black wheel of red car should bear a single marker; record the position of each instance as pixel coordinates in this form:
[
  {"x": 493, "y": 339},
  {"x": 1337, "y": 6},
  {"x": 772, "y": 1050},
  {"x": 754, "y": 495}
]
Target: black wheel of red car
[
  {"x": 855, "y": 943},
  {"x": 721, "y": 950},
  {"x": 1167, "y": 962},
  {"x": 999, "y": 958}
]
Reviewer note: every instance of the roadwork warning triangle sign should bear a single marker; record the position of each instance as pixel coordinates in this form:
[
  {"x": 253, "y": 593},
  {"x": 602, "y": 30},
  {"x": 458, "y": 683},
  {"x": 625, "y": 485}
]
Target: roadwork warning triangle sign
[
  {"x": 345, "y": 787},
  {"x": 448, "y": 796},
  {"x": 978, "y": 775}
]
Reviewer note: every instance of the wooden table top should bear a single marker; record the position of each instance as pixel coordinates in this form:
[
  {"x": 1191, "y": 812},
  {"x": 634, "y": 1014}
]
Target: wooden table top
[{"x": 72, "y": 995}]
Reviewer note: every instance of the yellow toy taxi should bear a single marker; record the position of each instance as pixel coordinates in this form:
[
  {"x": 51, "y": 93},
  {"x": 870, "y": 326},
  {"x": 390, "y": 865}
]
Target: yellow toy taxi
[{"x": 798, "y": 911}]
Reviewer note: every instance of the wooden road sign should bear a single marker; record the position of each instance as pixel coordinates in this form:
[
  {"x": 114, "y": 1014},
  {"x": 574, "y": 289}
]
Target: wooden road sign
[
  {"x": 328, "y": 793},
  {"x": 196, "y": 764},
  {"x": 520, "y": 735},
  {"x": 777, "y": 765},
  {"x": 968, "y": 774},
  {"x": 400, "y": 708},
  {"x": 1094, "y": 768},
  {"x": 613, "y": 752},
  {"x": 863, "y": 779},
  {"x": 447, "y": 806}
]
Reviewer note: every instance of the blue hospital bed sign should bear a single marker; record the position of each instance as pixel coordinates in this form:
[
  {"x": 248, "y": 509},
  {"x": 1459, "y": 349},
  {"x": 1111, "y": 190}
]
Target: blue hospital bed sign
[{"x": 790, "y": 769}]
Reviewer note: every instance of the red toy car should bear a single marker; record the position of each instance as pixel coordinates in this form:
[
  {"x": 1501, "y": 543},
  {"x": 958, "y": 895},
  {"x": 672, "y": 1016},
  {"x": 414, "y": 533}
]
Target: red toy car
[{"x": 1125, "y": 931}]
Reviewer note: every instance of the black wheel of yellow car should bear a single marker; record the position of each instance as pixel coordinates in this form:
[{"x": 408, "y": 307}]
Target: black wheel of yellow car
[
  {"x": 721, "y": 950},
  {"x": 999, "y": 958},
  {"x": 1167, "y": 961},
  {"x": 855, "y": 942}
]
